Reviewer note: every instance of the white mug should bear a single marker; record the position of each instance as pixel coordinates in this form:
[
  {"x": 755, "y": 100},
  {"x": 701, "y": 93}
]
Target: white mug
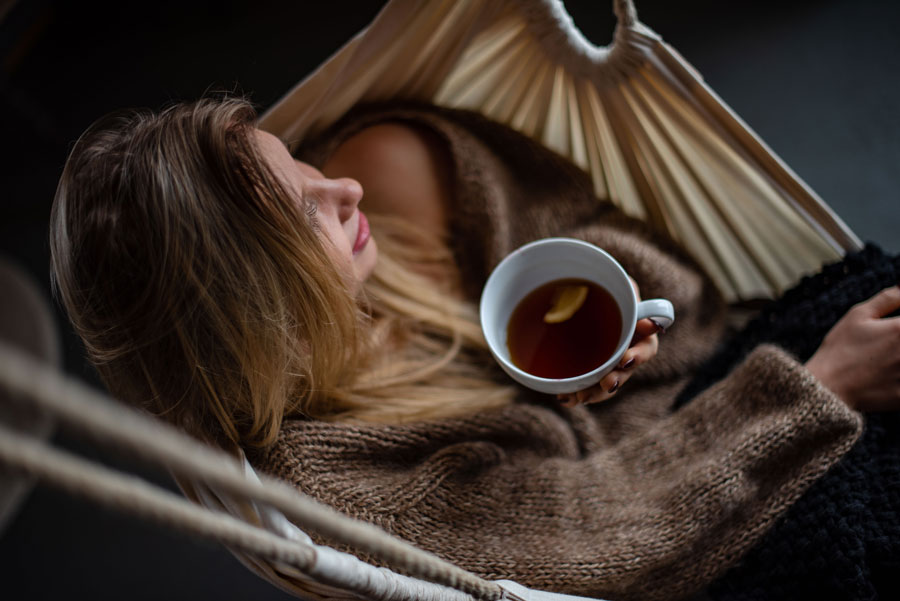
[{"x": 543, "y": 261}]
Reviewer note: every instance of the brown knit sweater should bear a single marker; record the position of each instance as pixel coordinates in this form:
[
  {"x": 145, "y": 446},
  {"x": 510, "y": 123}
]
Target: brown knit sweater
[{"x": 624, "y": 500}]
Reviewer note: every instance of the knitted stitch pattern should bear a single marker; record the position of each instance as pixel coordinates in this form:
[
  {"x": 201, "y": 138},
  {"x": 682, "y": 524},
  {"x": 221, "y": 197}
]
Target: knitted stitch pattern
[
  {"x": 841, "y": 540},
  {"x": 621, "y": 500}
]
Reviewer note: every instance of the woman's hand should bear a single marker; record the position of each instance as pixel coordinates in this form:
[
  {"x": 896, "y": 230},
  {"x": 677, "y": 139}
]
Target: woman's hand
[
  {"x": 643, "y": 348},
  {"x": 859, "y": 359}
]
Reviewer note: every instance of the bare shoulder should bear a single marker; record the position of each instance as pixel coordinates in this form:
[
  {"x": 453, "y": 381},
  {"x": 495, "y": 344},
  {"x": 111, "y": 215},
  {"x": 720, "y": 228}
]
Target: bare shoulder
[{"x": 404, "y": 170}]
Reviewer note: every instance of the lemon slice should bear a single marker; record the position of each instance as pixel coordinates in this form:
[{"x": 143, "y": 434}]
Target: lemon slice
[{"x": 566, "y": 301}]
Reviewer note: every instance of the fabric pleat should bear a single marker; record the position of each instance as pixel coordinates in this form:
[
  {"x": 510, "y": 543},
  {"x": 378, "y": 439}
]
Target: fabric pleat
[{"x": 635, "y": 115}]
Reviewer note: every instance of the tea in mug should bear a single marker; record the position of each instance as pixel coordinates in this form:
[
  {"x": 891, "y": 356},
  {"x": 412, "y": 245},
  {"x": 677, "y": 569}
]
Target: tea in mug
[{"x": 563, "y": 329}]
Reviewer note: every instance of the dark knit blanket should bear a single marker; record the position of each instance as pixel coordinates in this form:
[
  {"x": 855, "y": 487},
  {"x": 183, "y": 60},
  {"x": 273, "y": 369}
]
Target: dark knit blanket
[{"x": 841, "y": 540}]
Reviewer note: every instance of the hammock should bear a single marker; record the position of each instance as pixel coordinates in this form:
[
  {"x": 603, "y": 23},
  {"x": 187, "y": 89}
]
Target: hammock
[
  {"x": 655, "y": 140},
  {"x": 247, "y": 513}
]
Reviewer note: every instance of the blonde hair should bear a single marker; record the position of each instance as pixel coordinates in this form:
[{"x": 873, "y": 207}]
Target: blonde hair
[
  {"x": 203, "y": 294},
  {"x": 437, "y": 364}
]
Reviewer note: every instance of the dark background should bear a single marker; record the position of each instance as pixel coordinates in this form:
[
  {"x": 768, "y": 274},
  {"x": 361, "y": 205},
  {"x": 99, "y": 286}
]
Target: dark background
[{"x": 817, "y": 80}]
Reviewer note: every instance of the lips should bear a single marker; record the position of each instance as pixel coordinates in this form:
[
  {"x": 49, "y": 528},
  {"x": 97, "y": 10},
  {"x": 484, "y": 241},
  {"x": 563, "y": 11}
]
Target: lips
[{"x": 362, "y": 234}]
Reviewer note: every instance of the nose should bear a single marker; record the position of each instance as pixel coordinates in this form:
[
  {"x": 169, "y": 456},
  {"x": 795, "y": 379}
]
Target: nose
[{"x": 344, "y": 193}]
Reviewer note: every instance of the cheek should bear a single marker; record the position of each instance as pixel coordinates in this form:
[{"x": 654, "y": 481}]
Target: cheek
[
  {"x": 331, "y": 228},
  {"x": 365, "y": 261},
  {"x": 325, "y": 228},
  {"x": 335, "y": 243}
]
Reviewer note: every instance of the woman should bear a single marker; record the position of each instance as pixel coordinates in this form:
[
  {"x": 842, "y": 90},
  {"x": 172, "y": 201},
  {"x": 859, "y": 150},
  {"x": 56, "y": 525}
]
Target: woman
[{"x": 238, "y": 293}]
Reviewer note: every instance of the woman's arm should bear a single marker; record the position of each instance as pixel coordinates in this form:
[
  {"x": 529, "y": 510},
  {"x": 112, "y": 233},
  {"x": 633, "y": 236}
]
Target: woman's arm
[
  {"x": 860, "y": 357},
  {"x": 575, "y": 502},
  {"x": 548, "y": 500}
]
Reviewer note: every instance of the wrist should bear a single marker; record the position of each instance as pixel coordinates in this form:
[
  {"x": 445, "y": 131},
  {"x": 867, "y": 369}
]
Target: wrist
[{"x": 826, "y": 376}]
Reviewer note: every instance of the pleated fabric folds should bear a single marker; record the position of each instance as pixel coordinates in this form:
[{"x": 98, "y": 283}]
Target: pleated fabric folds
[{"x": 656, "y": 140}]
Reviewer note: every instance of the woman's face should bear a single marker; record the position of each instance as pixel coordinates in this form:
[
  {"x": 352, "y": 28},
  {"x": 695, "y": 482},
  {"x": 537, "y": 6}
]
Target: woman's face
[{"x": 339, "y": 222}]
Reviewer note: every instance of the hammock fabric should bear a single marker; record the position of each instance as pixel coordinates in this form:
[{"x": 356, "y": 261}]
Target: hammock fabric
[{"x": 654, "y": 138}]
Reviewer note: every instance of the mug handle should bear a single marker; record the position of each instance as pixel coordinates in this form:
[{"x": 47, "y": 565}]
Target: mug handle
[{"x": 658, "y": 309}]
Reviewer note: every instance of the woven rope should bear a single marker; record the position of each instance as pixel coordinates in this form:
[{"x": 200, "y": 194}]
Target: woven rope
[
  {"x": 625, "y": 12},
  {"x": 112, "y": 489},
  {"x": 93, "y": 413}
]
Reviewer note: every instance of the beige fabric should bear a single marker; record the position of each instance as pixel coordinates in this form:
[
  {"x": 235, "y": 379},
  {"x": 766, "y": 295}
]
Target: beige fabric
[
  {"x": 625, "y": 500},
  {"x": 654, "y": 138},
  {"x": 330, "y": 575}
]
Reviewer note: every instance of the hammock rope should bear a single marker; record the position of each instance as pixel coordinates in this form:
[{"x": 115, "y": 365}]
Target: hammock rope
[
  {"x": 110, "y": 423},
  {"x": 133, "y": 495}
]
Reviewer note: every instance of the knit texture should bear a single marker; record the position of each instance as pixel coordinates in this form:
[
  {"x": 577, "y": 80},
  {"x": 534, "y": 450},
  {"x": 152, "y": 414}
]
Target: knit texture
[
  {"x": 841, "y": 540},
  {"x": 623, "y": 500}
]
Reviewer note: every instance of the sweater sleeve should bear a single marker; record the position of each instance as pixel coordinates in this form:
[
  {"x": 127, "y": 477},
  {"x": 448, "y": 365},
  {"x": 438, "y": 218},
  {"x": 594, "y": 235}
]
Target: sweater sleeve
[
  {"x": 628, "y": 501},
  {"x": 520, "y": 496}
]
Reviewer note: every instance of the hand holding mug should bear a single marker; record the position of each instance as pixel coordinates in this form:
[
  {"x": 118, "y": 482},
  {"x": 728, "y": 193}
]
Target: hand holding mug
[
  {"x": 542, "y": 264},
  {"x": 643, "y": 348}
]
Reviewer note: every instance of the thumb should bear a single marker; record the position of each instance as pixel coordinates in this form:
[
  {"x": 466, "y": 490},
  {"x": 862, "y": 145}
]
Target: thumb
[{"x": 885, "y": 302}]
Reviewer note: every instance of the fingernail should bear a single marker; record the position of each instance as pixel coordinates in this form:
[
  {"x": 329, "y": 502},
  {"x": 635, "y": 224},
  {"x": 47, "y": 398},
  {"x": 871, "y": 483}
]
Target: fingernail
[
  {"x": 627, "y": 364},
  {"x": 659, "y": 327},
  {"x": 613, "y": 388}
]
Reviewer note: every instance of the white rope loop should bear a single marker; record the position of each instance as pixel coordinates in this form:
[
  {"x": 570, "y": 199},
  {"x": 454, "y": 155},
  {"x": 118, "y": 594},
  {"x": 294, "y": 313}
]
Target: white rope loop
[
  {"x": 626, "y": 13},
  {"x": 553, "y": 27},
  {"x": 111, "y": 423}
]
